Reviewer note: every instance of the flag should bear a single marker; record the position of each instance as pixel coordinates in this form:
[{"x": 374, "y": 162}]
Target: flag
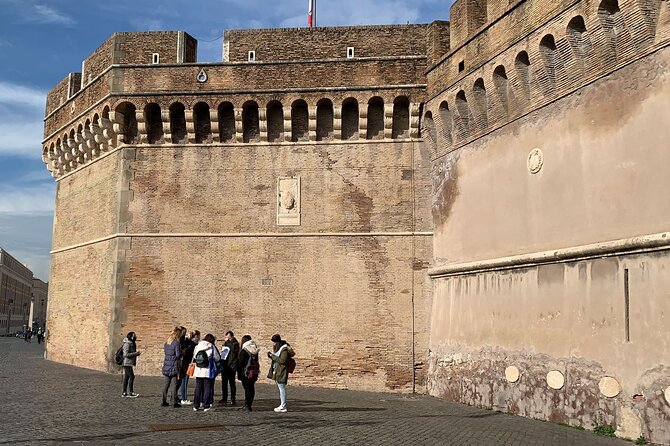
[{"x": 310, "y": 14}]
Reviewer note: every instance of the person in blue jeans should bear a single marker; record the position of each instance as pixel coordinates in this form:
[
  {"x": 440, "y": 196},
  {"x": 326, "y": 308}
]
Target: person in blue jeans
[
  {"x": 187, "y": 345},
  {"x": 280, "y": 355}
]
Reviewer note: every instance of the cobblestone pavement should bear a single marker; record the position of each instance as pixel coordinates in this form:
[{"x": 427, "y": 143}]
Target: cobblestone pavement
[{"x": 49, "y": 403}]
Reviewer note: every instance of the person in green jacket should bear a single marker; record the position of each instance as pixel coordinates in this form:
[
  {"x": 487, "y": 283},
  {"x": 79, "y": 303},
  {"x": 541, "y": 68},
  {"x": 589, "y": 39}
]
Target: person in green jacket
[{"x": 280, "y": 355}]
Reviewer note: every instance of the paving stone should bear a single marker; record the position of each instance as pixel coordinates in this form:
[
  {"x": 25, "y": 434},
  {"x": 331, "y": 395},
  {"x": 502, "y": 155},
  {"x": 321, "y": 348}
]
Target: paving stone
[{"x": 48, "y": 403}]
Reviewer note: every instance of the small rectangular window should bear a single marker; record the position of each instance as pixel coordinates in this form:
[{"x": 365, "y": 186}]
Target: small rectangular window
[
  {"x": 461, "y": 66},
  {"x": 252, "y": 56},
  {"x": 350, "y": 52},
  {"x": 155, "y": 58}
]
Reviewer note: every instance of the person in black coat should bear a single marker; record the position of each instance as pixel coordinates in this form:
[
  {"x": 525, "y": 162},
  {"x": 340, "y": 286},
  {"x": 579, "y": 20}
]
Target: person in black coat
[
  {"x": 171, "y": 364},
  {"x": 187, "y": 346},
  {"x": 248, "y": 371}
]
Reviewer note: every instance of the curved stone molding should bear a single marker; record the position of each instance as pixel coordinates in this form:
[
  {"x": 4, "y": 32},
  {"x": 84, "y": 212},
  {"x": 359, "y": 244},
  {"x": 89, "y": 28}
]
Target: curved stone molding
[
  {"x": 667, "y": 394},
  {"x": 512, "y": 374},
  {"x": 102, "y": 135},
  {"x": 555, "y": 380},
  {"x": 535, "y": 161},
  {"x": 609, "y": 387}
]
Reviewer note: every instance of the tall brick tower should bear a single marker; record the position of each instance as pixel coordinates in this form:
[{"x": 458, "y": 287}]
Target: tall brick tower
[{"x": 283, "y": 190}]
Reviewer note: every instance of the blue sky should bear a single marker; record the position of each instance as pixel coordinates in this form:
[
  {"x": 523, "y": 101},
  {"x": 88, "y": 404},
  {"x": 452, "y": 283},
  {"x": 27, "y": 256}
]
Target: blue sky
[{"x": 41, "y": 41}]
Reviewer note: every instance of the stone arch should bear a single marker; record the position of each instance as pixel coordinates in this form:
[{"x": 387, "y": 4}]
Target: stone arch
[
  {"x": 480, "y": 101},
  {"x": 446, "y": 123},
  {"x": 299, "y": 121},
  {"x": 463, "y": 109},
  {"x": 154, "y": 123},
  {"x": 226, "y": 114},
  {"x": 400, "y": 127},
  {"x": 130, "y": 130},
  {"x": 429, "y": 131},
  {"x": 250, "y": 122},
  {"x": 324, "y": 120},
  {"x": 202, "y": 122},
  {"x": 522, "y": 67},
  {"x": 502, "y": 88},
  {"x": 375, "y": 122},
  {"x": 612, "y": 24},
  {"x": 275, "y": 117},
  {"x": 349, "y": 119},
  {"x": 178, "y": 123},
  {"x": 652, "y": 10},
  {"x": 548, "y": 55},
  {"x": 576, "y": 33},
  {"x": 105, "y": 112}
]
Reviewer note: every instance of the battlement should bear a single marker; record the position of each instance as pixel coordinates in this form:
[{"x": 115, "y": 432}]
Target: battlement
[
  {"x": 341, "y": 42},
  {"x": 126, "y": 48}
]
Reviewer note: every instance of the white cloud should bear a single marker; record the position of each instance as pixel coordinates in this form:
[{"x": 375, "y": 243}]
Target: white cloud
[
  {"x": 21, "y": 138},
  {"x": 44, "y": 14},
  {"x": 21, "y": 120},
  {"x": 31, "y": 200},
  {"x": 18, "y": 94}
]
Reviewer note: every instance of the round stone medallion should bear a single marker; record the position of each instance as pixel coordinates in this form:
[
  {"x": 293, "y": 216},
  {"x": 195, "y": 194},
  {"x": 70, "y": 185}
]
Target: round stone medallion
[
  {"x": 667, "y": 394},
  {"x": 609, "y": 387},
  {"x": 535, "y": 161},
  {"x": 512, "y": 374},
  {"x": 555, "y": 380}
]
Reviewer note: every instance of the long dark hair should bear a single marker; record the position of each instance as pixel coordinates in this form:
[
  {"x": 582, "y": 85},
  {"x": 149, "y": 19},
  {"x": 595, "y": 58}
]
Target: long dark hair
[
  {"x": 130, "y": 336},
  {"x": 245, "y": 339}
]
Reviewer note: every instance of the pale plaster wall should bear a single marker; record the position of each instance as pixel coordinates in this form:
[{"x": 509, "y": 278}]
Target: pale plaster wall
[
  {"x": 605, "y": 151},
  {"x": 604, "y": 178}
]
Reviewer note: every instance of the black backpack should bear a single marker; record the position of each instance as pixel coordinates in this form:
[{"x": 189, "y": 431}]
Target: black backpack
[
  {"x": 253, "y": 368},
  {"x": 201, "y": 359},
  {"x": 118, "y": 357}
]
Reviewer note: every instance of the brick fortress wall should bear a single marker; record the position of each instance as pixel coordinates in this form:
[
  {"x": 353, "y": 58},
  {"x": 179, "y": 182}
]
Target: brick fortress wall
[{"x": 167, "y": 188}]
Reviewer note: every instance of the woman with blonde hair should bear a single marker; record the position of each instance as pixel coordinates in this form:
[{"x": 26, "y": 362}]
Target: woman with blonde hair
[{"x": 170, "y": 370}]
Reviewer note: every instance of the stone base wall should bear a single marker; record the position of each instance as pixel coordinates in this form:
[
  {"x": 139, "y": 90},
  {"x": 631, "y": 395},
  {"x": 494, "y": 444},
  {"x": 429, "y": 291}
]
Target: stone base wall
[
  {"x": 81, "y": 306},
  {"x": 572, "y": 318}
]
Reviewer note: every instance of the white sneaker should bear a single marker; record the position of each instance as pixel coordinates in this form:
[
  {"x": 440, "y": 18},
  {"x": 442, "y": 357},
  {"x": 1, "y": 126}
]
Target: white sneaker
[
  {"x": 132, "y": 395},
  {"x": 186, "y": 402},
  {"x": 280, "y": 409},
  {"x": 208, "y": 408}
]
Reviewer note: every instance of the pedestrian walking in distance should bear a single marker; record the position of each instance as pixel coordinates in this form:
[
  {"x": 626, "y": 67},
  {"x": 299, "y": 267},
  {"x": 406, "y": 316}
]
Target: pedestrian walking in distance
[
  {"x": 172, "y": 350},
  {"x": 229, "y": 368},
  {"x": 281, "y": 352},
  {"x": 206, "y": 357},
  {"x": 248, "y": 370},
  {"x": 130, "y": 355},
  {"x": 188, "y": 344}
]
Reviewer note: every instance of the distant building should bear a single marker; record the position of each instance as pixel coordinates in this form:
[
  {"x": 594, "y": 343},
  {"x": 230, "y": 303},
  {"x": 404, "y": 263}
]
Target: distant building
[
  {"x": 40, "y": 293},
  {"x": 18, "y": 290}
]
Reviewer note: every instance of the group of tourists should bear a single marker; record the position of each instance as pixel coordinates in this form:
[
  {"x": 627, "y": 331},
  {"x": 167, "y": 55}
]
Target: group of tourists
[
  {"x": 188, "y": 356},
  {"x": 28, "y": 334}
]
